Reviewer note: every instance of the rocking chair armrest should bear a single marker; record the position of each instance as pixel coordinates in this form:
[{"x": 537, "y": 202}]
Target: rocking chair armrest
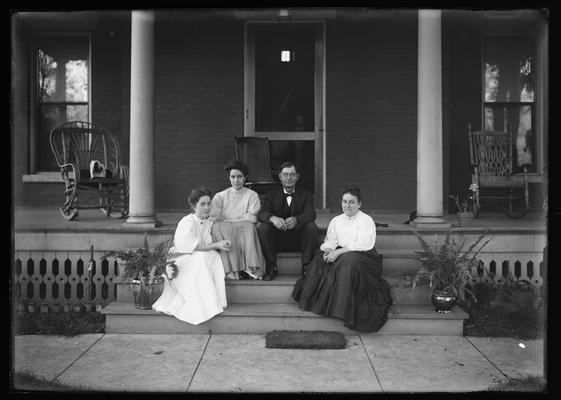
[
  {"x": 123, "y": 172},
  {"x": 70, "y": 168}
]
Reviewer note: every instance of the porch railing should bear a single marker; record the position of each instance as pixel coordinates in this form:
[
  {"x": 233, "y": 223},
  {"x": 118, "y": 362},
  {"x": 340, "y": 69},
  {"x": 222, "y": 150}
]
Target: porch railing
[{"x": 64, "y": 281}]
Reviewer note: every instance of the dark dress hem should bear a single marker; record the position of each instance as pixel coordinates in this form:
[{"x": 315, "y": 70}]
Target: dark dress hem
[{"x": 351, "y": 289}]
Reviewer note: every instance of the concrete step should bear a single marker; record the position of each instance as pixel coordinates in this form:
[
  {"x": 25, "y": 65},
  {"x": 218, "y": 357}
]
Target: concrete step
[
  {"x": 279, "y": 291},
  {"x": 289, "y": 263},
  {"x": 123, "y": 317}
]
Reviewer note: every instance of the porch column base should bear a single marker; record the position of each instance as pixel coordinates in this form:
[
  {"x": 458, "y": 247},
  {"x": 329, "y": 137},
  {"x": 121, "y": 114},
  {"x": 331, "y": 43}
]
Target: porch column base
[
  {"x": 142, "y": 222},
  {"x": 431, "y": 223}
]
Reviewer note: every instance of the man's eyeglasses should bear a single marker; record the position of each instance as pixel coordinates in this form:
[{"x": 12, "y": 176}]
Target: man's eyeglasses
[{"x": 289, "y": 174}]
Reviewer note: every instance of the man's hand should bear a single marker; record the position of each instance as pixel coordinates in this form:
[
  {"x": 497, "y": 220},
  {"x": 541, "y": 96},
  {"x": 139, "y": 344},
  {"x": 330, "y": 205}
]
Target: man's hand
[
  {"x": 278, "y": 222},
  {"x": 290, "y": 222}
]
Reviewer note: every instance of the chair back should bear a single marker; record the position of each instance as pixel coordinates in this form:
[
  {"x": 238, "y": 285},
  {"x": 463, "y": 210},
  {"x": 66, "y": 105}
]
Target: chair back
[
  {"x": 492, "y": 152},
  {"x": 80, "y": 142},
  {"x": 255, "y": 153}
]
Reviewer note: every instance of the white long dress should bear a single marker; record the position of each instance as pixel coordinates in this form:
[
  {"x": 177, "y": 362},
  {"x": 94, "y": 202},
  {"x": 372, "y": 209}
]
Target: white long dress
[{"x": 198, "y": 292}]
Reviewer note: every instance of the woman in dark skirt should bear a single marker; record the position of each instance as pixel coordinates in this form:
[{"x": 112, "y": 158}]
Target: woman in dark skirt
[{"x": 345, "y": 278}]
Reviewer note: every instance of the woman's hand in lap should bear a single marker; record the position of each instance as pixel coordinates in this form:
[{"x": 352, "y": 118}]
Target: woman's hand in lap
[
  {"x": 332, "y": 256},
  {"x": 224, "y": 245}
]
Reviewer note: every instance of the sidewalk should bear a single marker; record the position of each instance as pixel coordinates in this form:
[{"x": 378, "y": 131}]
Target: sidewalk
[{"x": 242, "y": 363}]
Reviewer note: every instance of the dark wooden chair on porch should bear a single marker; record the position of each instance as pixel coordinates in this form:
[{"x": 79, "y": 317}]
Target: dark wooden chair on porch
[
  {"x": 75, "y": 145},
  {"x": 492, "y": 171},
  {"x": 254, "y": 151}
]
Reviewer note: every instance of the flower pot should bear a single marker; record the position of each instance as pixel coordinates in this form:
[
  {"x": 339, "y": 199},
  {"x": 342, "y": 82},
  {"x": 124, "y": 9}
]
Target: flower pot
[
  {"x": 442, "y": 301},
  {"x": 465, "y": 218},
  {"x": 145, "y": 294},
  {"x": 122, "y": 265}
]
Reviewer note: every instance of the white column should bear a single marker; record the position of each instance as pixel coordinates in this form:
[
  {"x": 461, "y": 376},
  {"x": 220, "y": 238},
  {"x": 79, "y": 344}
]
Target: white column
[
  {"x": 429, "y": 122},
  {"x": 141, "y": 191}
]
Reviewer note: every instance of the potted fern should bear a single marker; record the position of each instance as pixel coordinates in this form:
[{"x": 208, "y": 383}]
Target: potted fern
[
  {"x": 448, "y": 268},
  {"x": 144, "y": 270}
]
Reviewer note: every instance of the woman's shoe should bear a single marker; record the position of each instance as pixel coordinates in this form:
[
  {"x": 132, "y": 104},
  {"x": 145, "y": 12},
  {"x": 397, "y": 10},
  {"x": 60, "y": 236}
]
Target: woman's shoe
[{"x": 244, "y": 276}]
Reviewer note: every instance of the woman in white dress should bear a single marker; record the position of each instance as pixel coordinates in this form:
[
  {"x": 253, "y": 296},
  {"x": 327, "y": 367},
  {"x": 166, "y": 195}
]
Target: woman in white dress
[
  {"x": 234, "y": 211},
  {"x": 197, "y": 292}
]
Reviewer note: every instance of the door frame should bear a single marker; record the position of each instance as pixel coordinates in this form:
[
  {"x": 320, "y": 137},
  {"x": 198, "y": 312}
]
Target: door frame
[{"x": 318, "y": 135}]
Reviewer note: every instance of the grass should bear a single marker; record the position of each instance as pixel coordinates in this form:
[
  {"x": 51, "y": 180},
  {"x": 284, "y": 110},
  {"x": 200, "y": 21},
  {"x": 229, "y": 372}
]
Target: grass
[
  {"x": 524, "y": 384},
  {"x": 26, "y": 381},
  {"x": 504, "y": 322},
  {"x": 60, "y": 323}
]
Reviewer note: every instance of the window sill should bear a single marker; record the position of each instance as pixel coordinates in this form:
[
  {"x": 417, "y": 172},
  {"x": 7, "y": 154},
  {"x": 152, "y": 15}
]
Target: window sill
[
  {"x": 42, "y": 177},
  {"x": 535, "y": 178}
]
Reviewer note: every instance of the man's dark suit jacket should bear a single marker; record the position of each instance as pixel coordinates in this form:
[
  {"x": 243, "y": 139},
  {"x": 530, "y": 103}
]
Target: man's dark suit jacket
[{"x": 301, "y": 207}]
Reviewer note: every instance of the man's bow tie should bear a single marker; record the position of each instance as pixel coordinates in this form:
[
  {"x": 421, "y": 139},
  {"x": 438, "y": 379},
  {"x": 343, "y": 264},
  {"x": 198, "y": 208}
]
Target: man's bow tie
[{"x": 288, "y": 194}]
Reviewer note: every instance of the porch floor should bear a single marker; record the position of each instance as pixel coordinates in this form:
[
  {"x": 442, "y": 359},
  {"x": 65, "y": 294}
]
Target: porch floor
[{"x": 49, "y": 219}]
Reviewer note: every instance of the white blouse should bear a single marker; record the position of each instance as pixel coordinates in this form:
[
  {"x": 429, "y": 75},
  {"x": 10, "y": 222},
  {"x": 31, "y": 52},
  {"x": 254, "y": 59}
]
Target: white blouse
[
  {"x": 236, "y": 205},
  {"x": 191, "y": 231},
  {"x": 357, "y": 233}
]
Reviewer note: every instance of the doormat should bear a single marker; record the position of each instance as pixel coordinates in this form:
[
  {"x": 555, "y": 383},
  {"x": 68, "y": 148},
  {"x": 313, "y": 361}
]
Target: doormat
[{"x": 305, "y": 340}]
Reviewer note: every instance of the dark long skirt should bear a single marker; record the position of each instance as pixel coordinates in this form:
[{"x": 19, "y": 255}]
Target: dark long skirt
[{"x": 351, "y": 288}]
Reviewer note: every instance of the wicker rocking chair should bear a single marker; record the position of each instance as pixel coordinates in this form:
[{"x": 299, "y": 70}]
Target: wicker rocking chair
[
  {"x": 75, "y": 145},
  {"x": 492, "y": 171}
]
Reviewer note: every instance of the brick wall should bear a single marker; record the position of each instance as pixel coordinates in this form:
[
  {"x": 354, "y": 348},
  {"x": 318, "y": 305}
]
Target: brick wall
[
  {"x": 372, "y": 110},
  {"x": 19, "y": 107},
  {"x": 199, "y": 105},
  {"x": 371, "y": 104},
  {"x": 462, "y": 34},
  {"x": 110, "y": 86}
]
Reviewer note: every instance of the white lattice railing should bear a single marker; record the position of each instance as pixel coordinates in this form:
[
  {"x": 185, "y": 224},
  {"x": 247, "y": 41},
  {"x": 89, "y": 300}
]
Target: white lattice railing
[
  {"x": 63, "y": 281},
  {"x": 60, "y": 280},
  {"x": 516, "y": 266}
]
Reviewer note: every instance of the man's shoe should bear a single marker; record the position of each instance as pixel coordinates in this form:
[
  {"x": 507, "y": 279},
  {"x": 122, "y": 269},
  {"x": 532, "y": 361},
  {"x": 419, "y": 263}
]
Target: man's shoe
[
  {"x": 243, "y": 276},
  {"x": 271, "y": 273}
]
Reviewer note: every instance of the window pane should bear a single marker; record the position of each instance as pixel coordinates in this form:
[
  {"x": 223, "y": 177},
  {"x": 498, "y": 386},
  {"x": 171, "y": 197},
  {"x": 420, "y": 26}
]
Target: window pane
[
  {"x": 284, "y": 80},
  {"x": 50, "y": 116},
  {"x": 62, "y": 64},
  {"x": 509, "y": 69},
  {"x": 510, "y": 78},
  {"x": 62, "y": 78},
  {"x": 518, "y": 118}
]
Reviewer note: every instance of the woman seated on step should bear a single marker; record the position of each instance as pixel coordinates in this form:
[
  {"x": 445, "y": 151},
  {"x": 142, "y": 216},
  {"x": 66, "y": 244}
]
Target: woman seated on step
[
  {"x": 197, "y": 292},
  {"x": 234, "y": 211},
  {"x": 345, "y": 278}
]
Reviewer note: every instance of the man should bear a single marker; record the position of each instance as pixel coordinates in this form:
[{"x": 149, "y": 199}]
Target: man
[{"x": 287, "y": 217}]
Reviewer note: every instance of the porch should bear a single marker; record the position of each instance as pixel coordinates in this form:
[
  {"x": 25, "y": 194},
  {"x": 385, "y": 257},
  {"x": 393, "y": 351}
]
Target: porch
[{"x": 52, "y": 258}]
